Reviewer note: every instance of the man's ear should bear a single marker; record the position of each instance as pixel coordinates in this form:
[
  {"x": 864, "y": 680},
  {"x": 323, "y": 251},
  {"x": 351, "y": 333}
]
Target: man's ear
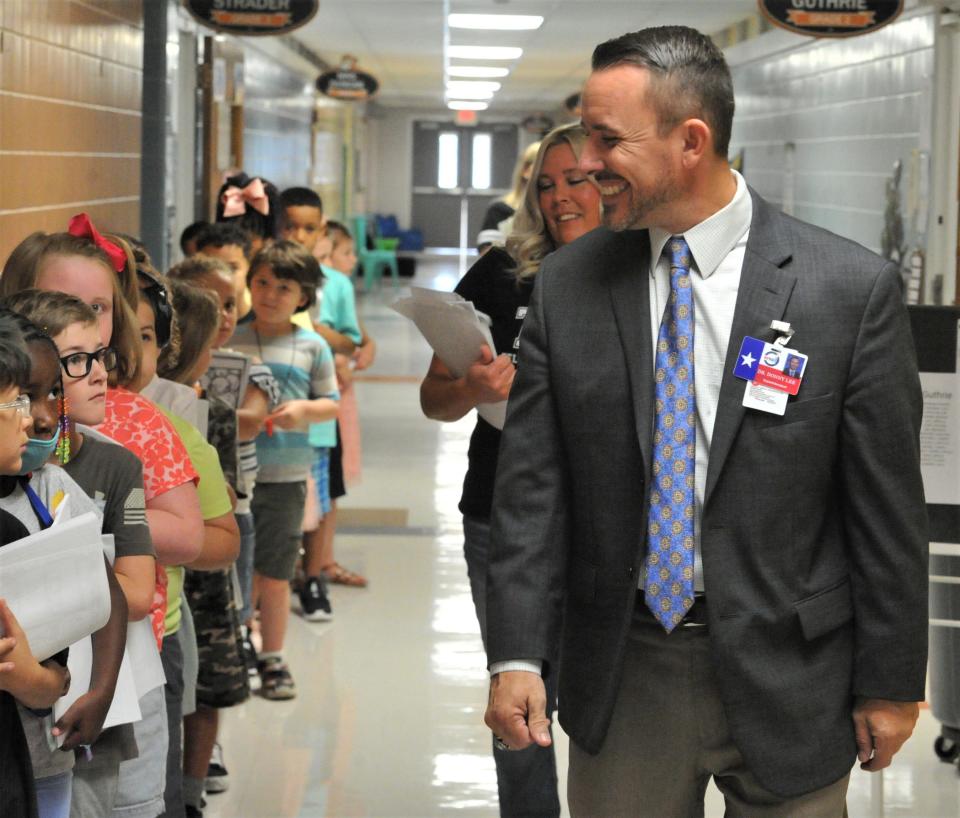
[{"x": 697, "y": 141}]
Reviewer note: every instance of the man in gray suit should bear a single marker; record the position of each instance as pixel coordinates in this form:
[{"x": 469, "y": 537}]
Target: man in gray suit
[{"x": 724, "y": 591}]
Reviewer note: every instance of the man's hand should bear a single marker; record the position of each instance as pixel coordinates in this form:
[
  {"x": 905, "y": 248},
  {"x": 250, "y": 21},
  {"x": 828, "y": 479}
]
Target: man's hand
[
  {"x": 83, "y": 721},
  {"x": 490, "y": 378},
  {"x": 881, "y": 728},
  {"x": 517, "y": 709}
]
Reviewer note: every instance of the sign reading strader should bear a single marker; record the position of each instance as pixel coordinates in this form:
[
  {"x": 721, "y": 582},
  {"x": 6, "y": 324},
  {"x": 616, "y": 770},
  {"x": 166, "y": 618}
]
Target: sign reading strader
[
  {"x": 831, "y": 18},
  {"x": 253, "y": 17}
]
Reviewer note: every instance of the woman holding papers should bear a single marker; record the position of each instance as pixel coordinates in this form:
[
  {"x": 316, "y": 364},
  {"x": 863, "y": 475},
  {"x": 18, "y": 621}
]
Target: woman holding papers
[{"x": 560, "y": 204}]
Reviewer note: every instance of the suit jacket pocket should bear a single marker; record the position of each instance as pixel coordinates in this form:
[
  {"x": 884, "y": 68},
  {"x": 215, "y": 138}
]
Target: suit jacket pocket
[
  {"x": 796, "y": 411},
  {"x": 582, "y": 580},
  {"x": 825, "y": 610}
]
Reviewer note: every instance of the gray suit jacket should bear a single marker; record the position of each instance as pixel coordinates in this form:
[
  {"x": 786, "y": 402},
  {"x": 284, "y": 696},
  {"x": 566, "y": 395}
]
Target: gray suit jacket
[{"x": 814, "y": 538}]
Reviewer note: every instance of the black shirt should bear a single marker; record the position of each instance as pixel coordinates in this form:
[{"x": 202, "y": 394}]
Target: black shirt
[
  {"x": 17, "y": 797},
  {"x": 492, "y": 287},
  {"x": 496, "y": 213}
]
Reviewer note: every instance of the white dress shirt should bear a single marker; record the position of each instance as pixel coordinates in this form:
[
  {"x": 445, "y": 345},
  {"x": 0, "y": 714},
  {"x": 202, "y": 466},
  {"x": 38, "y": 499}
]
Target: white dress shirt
[{"x": 717, "y": 245}]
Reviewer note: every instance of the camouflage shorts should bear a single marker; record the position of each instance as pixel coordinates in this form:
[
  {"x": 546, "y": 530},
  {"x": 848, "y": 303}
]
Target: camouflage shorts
[{"x": 222, "y": 679}]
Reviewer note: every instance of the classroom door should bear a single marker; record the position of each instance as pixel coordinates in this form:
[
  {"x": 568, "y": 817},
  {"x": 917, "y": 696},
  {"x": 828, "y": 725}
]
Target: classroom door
[{"x": 457, "y": 172}]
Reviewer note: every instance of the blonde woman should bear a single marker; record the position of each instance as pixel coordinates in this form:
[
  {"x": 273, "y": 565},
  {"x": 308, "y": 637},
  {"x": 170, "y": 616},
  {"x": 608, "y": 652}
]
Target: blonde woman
[
  {"x": 560, "y": 204},
  {"x": 498, "y": 220}
]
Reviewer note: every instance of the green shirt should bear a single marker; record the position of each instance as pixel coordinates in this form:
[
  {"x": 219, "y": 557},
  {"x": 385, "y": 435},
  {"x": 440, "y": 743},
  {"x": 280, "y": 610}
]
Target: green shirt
[{"x": 214, "y": 502}]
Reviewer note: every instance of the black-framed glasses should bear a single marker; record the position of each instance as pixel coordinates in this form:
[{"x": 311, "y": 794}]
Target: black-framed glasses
[{"x": 79, "y": 364}]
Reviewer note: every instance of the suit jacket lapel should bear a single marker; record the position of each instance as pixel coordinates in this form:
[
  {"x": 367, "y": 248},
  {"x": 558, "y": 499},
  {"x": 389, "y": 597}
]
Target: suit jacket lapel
[
  {"x": 630, "y": 297},
  {"x": 763, "y": 295}
]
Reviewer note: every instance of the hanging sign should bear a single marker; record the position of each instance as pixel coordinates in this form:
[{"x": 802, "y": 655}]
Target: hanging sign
[
  {"x": 348, "y": 82},
  {"x": 831, "y": 18},
  {"x": 253, "y": 17},
  {"x": 538, "y": 124}
]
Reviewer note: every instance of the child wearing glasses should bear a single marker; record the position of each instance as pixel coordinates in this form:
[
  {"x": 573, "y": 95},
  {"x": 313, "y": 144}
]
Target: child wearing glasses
[{"x": 20, "y": 674}]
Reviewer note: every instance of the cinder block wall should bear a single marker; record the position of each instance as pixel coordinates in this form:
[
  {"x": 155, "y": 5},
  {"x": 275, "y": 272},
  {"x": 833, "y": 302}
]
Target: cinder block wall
[
  {"x": 851, "y": 107},
  {"x": 70, "y": 110}
]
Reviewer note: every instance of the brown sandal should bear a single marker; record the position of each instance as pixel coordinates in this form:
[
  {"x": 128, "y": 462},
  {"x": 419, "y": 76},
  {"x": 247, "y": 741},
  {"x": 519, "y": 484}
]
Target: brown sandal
[{"x": 338, "y": 575}]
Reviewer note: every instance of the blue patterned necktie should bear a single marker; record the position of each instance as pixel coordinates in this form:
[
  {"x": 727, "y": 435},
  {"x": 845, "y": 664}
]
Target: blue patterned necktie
[{"x": 668, "y": 585}]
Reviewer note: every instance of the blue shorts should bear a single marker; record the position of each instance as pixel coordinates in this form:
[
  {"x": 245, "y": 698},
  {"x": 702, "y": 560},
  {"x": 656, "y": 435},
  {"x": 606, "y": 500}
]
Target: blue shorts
[{"x": 320, "y": 471}]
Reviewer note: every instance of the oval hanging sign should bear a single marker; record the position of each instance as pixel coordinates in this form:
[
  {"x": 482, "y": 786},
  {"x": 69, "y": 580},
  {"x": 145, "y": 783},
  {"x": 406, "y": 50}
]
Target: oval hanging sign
[
  {"x": 253, "y": 17},
  {"x": 538, "y": 123},
  {"x": 831, "y": 18},
  {"x": 347, "y": 82}
]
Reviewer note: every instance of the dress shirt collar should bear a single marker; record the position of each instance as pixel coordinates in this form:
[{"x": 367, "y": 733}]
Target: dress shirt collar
[{"x": 712, "y": 240}]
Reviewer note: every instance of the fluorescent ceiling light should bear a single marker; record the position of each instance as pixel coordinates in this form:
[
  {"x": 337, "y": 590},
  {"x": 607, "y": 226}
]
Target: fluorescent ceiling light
[
  {"x": 484, "y": 52},
  {"x": 497, "y": 22},
  {"x": 477, "y": 71},
  {"x": 466, "y": 105},
  {"x": 453, "y": 86}
]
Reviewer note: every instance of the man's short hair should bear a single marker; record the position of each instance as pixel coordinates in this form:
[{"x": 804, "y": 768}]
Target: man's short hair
[
  {"x": 690, "y": 77},
  {"x": 289, "y": 260},
  {"x": 301, "y": 197},
  {"x": 224, "y": 234}
]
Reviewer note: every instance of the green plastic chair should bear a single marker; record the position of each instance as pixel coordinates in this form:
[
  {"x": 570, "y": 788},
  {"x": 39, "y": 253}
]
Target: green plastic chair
[{"x": 375, "y": 261}]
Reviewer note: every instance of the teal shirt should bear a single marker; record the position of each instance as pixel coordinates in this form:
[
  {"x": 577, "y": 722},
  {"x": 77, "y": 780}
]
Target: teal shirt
[
  {"x": 338, "y": 306},
  {"x": 338, "y": 310}
]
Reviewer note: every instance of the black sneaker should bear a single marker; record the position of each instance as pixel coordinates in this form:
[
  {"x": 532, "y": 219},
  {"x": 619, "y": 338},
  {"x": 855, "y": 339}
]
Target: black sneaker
[
  {"x": 217, "y": 780},
  {"x": 314, "y": 600}
]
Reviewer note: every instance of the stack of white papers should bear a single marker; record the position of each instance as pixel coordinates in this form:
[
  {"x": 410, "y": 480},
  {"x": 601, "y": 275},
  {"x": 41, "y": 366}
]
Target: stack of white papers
[
  {"x": 55, "y": 583},
  {"x": 455, "y": 331},
  {"x": 140, "y": 671}
]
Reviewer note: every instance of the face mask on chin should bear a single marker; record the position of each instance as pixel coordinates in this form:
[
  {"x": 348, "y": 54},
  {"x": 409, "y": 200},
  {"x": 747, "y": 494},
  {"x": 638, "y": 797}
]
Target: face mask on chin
[{"x": 37, "y": 453}]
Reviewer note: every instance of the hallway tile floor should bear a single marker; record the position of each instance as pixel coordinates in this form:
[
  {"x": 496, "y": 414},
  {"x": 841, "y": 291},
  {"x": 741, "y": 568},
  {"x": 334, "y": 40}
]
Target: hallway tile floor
[{"x": 388, "y": 718}]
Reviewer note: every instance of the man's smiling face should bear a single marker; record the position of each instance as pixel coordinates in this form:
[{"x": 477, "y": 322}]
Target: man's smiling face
[{"x": 637, "y": 168}]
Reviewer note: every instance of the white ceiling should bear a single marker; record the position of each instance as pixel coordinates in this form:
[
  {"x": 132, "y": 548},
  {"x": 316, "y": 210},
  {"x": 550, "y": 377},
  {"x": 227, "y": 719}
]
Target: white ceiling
[{"x": 401, "y": 41}]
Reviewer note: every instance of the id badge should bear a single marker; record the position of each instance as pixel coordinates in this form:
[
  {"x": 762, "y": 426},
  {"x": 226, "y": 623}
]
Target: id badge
[{"x": 773, "y": 372}]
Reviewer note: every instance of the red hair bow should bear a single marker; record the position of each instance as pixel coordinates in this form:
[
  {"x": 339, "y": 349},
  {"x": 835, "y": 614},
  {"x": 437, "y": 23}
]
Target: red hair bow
[
  {"x": 82, "y": 227},
  {"x": 235, "y": 199}
]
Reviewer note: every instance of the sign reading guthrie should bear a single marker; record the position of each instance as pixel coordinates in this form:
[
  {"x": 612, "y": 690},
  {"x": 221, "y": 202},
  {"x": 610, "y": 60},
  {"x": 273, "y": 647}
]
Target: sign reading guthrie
[
  {"x": 252, "y": 17},
  {"x": 831, "y": 18}
]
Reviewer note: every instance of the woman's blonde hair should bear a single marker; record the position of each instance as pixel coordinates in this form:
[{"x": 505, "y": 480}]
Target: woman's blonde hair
[
  {"x": 195, "y": 335},
  {"x": 25, "y": 263},
  {"x": 530, "y": 241},
  {"x": 515, "y": 196}
]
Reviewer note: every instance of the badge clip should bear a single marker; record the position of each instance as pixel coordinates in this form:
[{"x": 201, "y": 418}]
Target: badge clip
[{"x": 785, "y": 330}]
